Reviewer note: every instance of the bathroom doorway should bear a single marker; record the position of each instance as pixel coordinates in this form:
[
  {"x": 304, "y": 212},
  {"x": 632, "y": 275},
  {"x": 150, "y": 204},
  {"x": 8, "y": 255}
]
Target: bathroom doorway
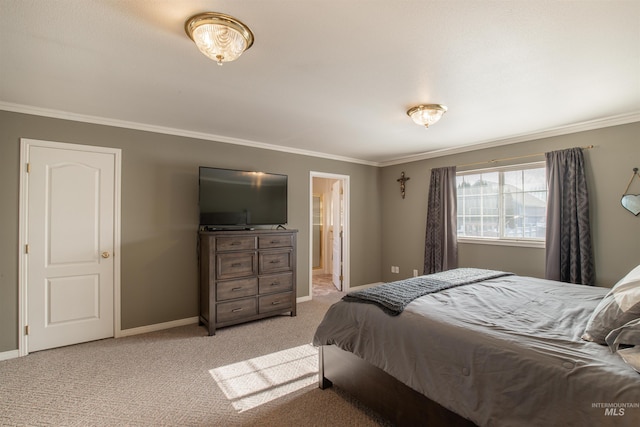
[{"x": 329, "y": 233}]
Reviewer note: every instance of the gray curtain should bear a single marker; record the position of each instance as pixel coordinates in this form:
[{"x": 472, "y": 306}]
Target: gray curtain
[
  {"x": 569, "y": 256},
  {"x": 441, "y": 244}
]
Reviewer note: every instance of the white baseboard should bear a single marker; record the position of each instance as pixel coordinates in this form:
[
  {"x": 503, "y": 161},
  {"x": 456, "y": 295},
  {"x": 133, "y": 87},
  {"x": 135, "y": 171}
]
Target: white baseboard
[
  {"x": 368, "y": 285},
  {"x": 156, "y": 327},
  {"x": 150, "y": 328},
  {"x": 11, "y": 354}
]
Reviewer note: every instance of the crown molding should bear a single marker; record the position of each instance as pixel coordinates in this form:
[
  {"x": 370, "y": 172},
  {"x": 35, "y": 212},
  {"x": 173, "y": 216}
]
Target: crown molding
[
  {"x": 621, "y": 119},
  {"x": 562, "y": 130},
  {"x": 64, "y": 115}
]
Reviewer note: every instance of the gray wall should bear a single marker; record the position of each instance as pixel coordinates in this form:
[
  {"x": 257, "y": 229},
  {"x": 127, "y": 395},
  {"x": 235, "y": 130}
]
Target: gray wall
[
  {"x": 159, "y": 211},
  {"x": 160, "y": 218},
  {"x": 615, "y": 231}
]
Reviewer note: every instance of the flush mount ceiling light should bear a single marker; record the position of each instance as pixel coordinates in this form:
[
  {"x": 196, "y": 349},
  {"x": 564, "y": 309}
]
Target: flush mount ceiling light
[
  {"x": 427, "y": 114},
  {"x": 220, "y": 37}
]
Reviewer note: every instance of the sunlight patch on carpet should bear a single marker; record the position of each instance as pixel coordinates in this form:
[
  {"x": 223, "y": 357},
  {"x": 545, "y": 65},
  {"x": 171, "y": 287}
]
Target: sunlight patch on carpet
[{"x": 254, "y": 382}]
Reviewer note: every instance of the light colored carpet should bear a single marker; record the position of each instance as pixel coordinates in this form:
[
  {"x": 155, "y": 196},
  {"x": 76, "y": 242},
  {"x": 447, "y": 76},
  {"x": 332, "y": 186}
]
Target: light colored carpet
[{"x": 261, "y": 373}]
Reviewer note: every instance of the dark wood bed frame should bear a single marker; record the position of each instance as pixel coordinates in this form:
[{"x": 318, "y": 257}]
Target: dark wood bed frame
[{"x": 381, "y": 392}]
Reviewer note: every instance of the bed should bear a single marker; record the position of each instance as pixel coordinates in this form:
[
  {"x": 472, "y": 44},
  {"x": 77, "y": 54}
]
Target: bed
[{"x": 502, "y": 351}]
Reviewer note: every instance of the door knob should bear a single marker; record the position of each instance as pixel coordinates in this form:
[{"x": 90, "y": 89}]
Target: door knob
[{"x": 105, "y": 254}]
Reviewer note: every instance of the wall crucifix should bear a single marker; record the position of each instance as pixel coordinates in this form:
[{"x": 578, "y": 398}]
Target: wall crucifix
[{"x": 402, "y": 180}]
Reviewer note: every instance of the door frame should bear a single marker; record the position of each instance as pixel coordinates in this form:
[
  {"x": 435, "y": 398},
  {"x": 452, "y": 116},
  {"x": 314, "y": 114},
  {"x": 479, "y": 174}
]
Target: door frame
[
  {"x": 346, "y": 233},
  {"x": 23, "y": 303}
]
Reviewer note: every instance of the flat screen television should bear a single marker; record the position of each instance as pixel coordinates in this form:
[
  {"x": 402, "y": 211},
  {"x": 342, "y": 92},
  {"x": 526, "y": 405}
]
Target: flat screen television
[{"x": 235, "y": 198}]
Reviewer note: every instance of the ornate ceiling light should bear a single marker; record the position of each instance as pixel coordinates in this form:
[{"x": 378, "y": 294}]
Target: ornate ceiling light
[
  {"x": 220, "y": 37},
  {"x": 427, "y": 114}
]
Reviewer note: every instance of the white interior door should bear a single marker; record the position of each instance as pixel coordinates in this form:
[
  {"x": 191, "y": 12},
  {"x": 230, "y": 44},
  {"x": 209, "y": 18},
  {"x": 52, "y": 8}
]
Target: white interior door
[
  {"x": 336, "y": 206},
  {"x": 70, "y": 233}
]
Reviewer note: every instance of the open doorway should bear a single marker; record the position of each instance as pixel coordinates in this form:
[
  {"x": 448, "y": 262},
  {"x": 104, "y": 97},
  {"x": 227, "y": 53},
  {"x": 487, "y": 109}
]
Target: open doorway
[{"x": 329, "y": 207}]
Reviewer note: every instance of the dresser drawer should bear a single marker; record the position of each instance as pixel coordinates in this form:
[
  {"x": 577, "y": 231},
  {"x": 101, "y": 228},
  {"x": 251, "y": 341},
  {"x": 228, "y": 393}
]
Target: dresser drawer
[
  {"x": 235, "y": 243},
  {"x": 277, "y": 241},
  {"x": 234, "y": 310},
  {"x": 281, "y": 301},
  {"x": 236, "y": 289},
  {"x": 275, "y": 261},
  {"x": 275, "y": 283},
  {"x": 236, "y": 264}
]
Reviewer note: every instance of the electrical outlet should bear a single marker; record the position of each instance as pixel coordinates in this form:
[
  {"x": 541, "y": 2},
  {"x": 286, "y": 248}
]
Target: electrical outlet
[
  {"x": 415, "y": 273},
  {"x": 395, "y": 269}
]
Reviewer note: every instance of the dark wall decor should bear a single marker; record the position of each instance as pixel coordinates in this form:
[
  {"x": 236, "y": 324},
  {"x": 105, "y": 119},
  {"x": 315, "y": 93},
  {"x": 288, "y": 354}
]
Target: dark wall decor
[
  {"x": 402, "y": 180},
  {"x": 631, "y": 202}
]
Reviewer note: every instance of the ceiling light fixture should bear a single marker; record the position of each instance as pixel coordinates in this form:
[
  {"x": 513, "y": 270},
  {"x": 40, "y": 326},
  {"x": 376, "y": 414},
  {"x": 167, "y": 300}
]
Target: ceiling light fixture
[
  {"x": 427, "y": 114},
  {"x": 220, "y": 37}
]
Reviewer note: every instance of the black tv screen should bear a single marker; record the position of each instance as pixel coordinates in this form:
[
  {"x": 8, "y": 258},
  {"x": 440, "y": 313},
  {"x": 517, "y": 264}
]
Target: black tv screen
[{"x": 241, "y": 198}]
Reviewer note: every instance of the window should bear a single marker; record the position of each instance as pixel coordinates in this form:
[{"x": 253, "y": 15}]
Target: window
[{"x": 503, "y": 204}]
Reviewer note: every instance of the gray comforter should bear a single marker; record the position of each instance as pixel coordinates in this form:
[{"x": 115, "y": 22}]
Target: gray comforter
[
  {"x": 393, "y": 297},
  {"x": 503, "y": 352}
]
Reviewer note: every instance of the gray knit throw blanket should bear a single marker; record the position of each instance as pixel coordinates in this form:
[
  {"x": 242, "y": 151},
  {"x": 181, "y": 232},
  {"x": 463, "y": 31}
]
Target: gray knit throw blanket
[{"x": 393, "y": 297}]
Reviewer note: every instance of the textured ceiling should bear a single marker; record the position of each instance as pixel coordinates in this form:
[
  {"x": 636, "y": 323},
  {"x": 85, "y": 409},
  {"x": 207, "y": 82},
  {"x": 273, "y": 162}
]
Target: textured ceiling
[{"x": 330, "y": 77}]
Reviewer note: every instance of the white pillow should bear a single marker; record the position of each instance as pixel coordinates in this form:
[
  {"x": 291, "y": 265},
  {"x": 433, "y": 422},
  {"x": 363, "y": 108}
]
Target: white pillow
[
  {"x": 619, "y": 306},
  {"x": 628, "y": 334}
]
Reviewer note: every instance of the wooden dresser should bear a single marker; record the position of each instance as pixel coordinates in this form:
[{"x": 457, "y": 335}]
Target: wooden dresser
[{"x": 246, "y": 275}]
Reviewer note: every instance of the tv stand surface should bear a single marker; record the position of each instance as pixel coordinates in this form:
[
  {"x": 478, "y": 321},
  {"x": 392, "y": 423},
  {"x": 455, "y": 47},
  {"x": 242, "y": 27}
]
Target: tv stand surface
[{"x": 210, "y": 228}]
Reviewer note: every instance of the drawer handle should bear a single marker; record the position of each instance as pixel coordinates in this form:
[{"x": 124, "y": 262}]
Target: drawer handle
[
  {"x": 275, "y": 303},
  {"x": 275, "y": 283},
  {"x": 236, "y": 264},
  {"x": 273, "y": 242},
  {"x": 275, "y": 261},
  {"x": 236, "y": 289},
  {"x": 235, "y": 310},
  {"x": 236, "y": 243}
]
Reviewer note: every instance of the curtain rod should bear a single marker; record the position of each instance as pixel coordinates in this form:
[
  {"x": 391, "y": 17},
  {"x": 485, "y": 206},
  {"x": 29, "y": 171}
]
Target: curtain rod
[{"x": 504, "y": 159}]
